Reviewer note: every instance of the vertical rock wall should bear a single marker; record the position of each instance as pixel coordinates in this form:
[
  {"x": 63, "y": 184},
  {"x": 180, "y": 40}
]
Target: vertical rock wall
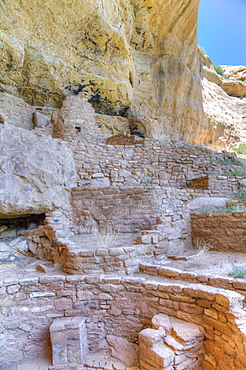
[{"x": 123, "y": 55}]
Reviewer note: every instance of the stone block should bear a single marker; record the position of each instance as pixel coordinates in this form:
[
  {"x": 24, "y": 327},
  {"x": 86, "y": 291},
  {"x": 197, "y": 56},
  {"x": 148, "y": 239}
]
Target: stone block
[
  {"x": 69, "y": 340},
  {"x": 40, "y": 120},
  {"x": 123, "y": 350},
  {"x": 63, "y": 304},
  {"x": 170, "y": 272}
]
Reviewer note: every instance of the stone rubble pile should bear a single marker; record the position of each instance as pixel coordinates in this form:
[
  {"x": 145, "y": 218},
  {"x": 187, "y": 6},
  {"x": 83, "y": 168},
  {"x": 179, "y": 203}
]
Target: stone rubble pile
[{"x": 172, "y": 344}]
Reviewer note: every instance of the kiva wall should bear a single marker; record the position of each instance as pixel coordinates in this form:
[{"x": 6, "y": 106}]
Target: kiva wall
[{"x": 117, "y": 306}]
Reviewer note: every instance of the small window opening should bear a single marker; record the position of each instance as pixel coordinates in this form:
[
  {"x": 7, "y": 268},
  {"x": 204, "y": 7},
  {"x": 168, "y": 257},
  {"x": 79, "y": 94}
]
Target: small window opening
[{"x": 77, "y": 129}]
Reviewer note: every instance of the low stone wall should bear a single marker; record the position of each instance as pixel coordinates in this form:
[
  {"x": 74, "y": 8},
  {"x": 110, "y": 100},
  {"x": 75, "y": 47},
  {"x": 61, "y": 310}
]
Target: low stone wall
[
  {"x": 129, "y": 210},
  {"x": 123, "y": 261},
  {"x": 224, "y": 231},
  {"x": 161, "y": 215},
  {"x": 237, "y": 285},
  {"x": 118, "y": 306},
  {"x": 49, "y": 241},
  {"x": 133, "y": 210}
]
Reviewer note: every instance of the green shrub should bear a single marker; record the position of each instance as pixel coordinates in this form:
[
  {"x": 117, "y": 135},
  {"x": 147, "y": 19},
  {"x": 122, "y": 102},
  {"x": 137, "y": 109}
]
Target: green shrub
[
  {"x": 209, "y": 208},
  {"x": 238, "y": 271},
  {"x": 219, "y": 70},
  {"x": 202, "y": 50},
  {"x": 240, "y": 194},
  {"x": 237, "y": 172},
  {"x": 238, "y": 207},
  {"x": 240, "y": 149},
  {"x": 188, "y": 265},
  {"x": 228, "y": 162}
]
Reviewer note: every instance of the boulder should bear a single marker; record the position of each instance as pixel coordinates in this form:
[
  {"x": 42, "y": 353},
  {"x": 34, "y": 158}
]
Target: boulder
[
  {"x": 36, "y": 172},
  {"x": 206, "y": 205}
]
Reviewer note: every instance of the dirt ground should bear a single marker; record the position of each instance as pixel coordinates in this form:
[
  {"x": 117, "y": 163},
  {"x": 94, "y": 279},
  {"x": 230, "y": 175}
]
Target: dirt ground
[
  {"x": 209, "y": 262},
  {"x": 202, "y": 261}
]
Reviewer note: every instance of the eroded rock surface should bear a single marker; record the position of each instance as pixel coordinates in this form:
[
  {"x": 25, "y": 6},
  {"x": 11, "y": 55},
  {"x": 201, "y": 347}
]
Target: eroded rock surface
[
  {"x": 36, "y": 172},
  {"x": 123, "y": 350},
  {"x": 136, "y": 54},
  {"x": 224, "y": 106}
]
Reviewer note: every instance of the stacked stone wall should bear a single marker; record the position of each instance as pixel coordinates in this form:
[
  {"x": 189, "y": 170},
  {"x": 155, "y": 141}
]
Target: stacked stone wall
[
  {"x": 224, "y": 231},
  {"x": 134, "y": 210},
  {"x": 123, "y": 261},
  {"x": 237, "y": 285},
  {"x": 151, "y": 163},
  {"x": 117, "y": 306},
  {"x": 219, "y": 185}
]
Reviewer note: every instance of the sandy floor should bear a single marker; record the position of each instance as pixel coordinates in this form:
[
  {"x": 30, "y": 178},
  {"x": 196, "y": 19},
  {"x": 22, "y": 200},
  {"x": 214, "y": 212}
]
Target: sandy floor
[
  {"x": 211, "y": 263},
  {"x": 98, "y": 240}
]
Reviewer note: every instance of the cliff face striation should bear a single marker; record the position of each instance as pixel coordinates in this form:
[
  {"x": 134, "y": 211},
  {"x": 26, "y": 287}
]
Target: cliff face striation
[
  {"x": 224, "y": 105},
  {"x": 128, "y": 57},
  {"x": 132, "y": 58}
]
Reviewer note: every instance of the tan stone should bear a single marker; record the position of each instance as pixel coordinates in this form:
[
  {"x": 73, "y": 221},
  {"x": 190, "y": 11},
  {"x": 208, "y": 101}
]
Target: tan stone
[
  {"x": 235, "y": 84},
  {"x": 224, "y": 119},
  {"x": 221, "y": 327},
  {"x": 40, "y": 120},
  {"x": 207, "y": 366},
  {"x": 123, "y": 350},
  {"x": 112, "y": 125},
  {"x": 130, "y": 58},
  {"x": 38, "y": 172},
  {"x": 170, "y": 272},
  {"x": 163, "y": 321}
]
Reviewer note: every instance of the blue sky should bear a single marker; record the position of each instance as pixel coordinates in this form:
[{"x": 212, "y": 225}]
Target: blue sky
[{"x": 222, "y": 30}]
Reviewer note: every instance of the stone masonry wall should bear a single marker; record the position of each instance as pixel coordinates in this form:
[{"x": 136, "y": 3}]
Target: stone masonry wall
[
  {"x": 221, "y": 185},
  {"x": 123, "y": 261},
  {"x": 134, "y": 210},
  {"x": 119, "y": 306},
  {"x": 151, "y": 163},
  {"x": 224, "y": 231},
  {"x": 131, "y": 210},
  {"x": 146, "y": 163},
  {"x": 229, "y": 283}
]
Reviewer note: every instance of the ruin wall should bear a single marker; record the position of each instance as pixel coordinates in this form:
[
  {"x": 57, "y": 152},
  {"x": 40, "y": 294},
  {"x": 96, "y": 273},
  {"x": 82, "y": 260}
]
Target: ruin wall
[{"x": 119, "y": 306}]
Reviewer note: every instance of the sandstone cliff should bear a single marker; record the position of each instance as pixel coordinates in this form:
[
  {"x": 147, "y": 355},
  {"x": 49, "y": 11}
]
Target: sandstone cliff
[
  {"x": 131, "y": 58},
  {"x": 224, "y": 104},
  {"x": 235, "y": 84},
  {"x": 133, "y": 55}
]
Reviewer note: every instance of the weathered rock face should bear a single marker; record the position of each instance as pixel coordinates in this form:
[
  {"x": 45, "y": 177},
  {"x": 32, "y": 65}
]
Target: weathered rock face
[
  {"x": 36, "y": 172},
  {"x": 140, "y": 54},
  {"x": 236, "y": 85},
  {"x": 224, "y": 108},
  {"x": 132, "y": 58}
]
